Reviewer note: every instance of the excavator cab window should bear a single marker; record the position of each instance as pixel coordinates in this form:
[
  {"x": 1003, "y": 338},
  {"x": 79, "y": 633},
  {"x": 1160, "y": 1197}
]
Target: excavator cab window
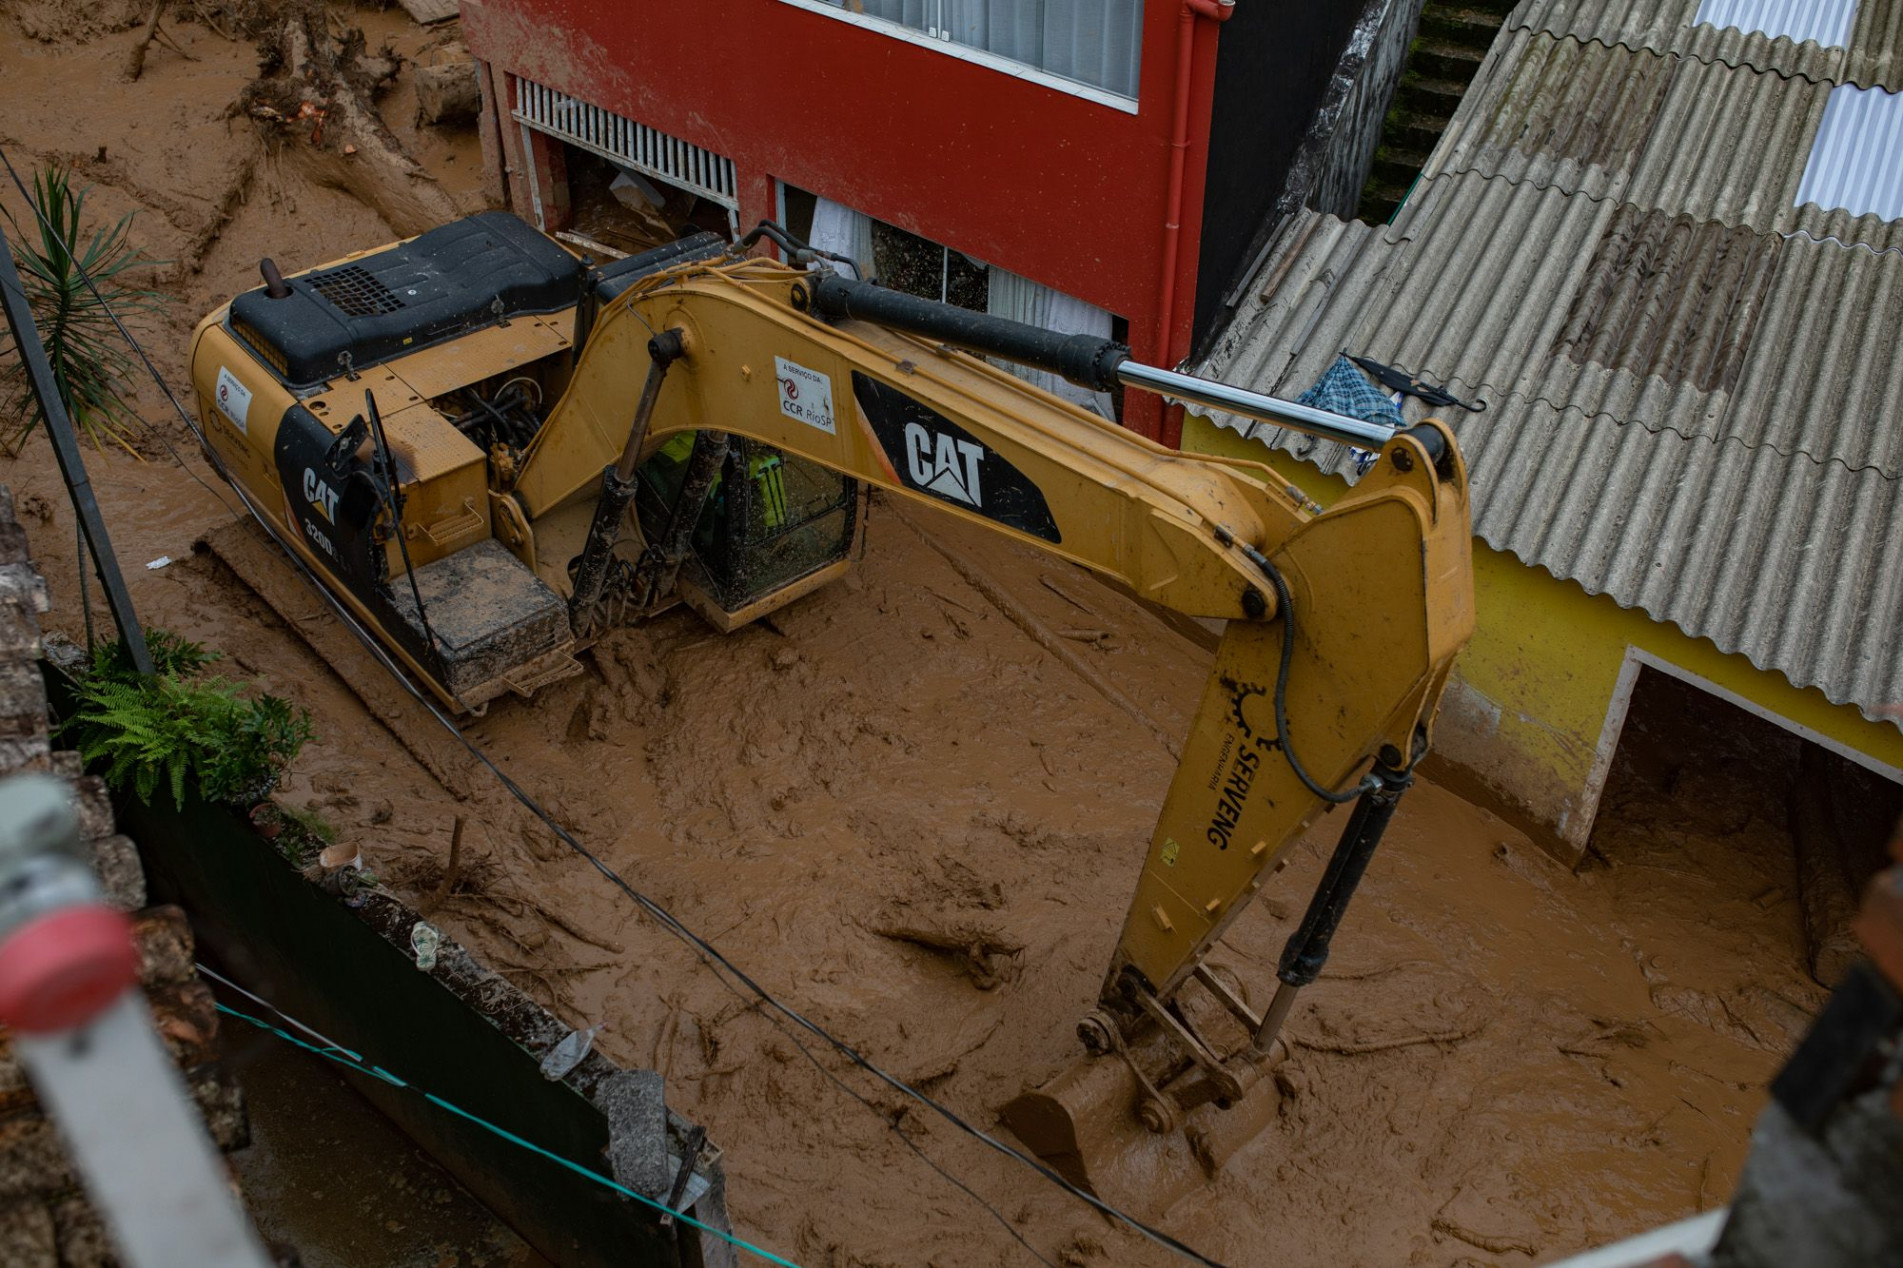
[{"x": 769, "y": 520}]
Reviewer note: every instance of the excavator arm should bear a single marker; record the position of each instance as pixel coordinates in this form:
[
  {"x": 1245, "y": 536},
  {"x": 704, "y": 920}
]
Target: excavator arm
[{"x": 1342, "y": 624}]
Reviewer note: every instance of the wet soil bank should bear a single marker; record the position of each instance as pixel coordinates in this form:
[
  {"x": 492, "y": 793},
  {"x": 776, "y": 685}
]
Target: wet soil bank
[{"x": 1505, "y": 1061}]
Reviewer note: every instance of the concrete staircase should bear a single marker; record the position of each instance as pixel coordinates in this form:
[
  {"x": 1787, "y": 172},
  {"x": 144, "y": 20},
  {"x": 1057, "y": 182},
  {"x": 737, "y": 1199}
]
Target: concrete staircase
[{"x": 1454, "y": 38}]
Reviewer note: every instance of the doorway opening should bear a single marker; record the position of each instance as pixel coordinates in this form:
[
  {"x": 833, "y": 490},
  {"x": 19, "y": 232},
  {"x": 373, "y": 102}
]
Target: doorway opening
[{"x": 1736, "y": 850}]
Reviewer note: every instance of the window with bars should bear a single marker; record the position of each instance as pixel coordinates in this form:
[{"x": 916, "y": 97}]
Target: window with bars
[
  {"x": 626, "y": 142},
  {"x": 1094, "y": 42}
]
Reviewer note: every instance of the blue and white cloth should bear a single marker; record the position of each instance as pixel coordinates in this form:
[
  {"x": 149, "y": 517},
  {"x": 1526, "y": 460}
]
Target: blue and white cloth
[{"x": 1344, "y": 389}]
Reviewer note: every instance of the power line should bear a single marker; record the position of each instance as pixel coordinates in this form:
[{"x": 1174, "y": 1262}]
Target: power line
[
  {"x": 352, "y": 1061},
  {"x": 317, "y": 1035},
  {"x": 709, "y": 955}
]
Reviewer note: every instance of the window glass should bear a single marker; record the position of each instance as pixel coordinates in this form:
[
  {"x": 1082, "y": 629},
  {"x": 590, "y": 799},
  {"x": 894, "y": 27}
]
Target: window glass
[{"x": 1095, "y": 42}]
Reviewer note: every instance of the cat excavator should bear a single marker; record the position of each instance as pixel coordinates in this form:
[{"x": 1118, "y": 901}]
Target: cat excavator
[{"x": 491, "y": 451}]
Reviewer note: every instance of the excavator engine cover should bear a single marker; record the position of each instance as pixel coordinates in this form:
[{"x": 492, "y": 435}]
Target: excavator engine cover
[{"x": 445, "y": 283}]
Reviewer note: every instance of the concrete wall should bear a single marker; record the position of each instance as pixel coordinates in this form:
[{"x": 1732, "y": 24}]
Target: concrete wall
[
  {"x": 1283, "y": 75},
  {"x": 1370, "y": 68},
  {"x": 1336, "y": 153},
  {"x": 1534, "y": 714}
]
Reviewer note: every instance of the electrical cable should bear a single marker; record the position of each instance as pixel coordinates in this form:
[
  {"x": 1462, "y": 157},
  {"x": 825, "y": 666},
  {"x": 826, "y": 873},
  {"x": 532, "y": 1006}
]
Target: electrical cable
[
  {"x": 82, "y": 557},
  {"x": 350, "y": 1060},
  {"x": 205, "y": 970},
  {"x": 1285, "y": 607},
  {"x": 901, "y": 1133},
  {"x": 705, "y": 951},
  {"x": 390, "y": 487},
  {"x": 329, "y": 1043},
  {"x": 709, "y": 955}
]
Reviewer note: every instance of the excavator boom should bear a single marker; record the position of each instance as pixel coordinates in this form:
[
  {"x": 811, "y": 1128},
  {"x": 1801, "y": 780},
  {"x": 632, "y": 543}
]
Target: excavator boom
[{"x": 1379, "y": 587}]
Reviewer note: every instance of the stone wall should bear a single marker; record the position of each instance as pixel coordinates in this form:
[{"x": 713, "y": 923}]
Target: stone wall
[{"x": 45, "y": 1220}]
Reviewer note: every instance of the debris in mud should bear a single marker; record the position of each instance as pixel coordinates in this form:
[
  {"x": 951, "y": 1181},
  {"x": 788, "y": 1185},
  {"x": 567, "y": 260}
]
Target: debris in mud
[
  {"x": 63, "y": 21},
  {"x": 317, "y": 100},
  {"x": 1363, "y": 1047},
  {"x": 1012, "y": 856},
  {"x": 1491, "y": 1243},
  {"x": 135, "y": 59},
  {"x": 988, "y": 956},
  {"x": 448, "y": 90}
]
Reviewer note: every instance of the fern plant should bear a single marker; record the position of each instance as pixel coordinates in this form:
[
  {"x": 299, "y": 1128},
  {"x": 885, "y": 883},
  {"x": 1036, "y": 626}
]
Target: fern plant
[
  {"x": 90, "y": 366},
  {"x": 178, "y": 728}
]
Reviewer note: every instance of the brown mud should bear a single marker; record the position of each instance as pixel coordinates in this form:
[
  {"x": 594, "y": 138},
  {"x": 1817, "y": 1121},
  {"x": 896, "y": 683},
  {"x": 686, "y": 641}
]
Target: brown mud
[{"x": 915, "y": 824}]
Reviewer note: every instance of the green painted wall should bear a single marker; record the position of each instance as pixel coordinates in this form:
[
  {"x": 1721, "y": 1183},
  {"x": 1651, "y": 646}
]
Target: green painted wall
[{"x": 1540, "y": 693}]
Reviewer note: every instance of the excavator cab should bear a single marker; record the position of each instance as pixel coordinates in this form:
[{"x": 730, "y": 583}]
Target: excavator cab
[{"x": 772, "y": 526}]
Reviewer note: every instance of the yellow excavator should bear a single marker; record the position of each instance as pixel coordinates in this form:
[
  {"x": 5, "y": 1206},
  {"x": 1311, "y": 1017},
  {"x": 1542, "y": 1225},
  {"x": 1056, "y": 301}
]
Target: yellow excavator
[{"x": 492, "y": 450}]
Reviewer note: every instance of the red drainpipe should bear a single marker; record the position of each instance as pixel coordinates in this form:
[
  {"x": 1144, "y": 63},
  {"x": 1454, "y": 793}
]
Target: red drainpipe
[{"x": 1215, "y": 11}]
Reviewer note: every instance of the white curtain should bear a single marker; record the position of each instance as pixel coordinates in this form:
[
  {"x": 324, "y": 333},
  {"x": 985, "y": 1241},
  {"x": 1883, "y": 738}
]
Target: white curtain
[
  {"x": 840, "y": 229},
  {"x": 1096, "y": 42},
  {"x": 1021, "y": 299}
]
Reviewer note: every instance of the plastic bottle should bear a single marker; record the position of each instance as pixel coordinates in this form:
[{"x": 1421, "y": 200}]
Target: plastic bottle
[{"x": 568, "y": 1054}]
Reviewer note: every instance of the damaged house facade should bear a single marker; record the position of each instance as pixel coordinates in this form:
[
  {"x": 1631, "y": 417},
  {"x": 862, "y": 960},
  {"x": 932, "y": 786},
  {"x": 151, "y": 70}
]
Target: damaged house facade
[
  {"x": 1048, "y": 160},
  {"x": 1662, "y": 242}
]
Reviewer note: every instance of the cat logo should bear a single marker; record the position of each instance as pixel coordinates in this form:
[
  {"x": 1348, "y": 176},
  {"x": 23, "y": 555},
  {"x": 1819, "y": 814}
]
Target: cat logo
[
  {"x": 320, "y": 495},
  {"x": 944, "y": 465},
  {"x": 931, "y": 454}
]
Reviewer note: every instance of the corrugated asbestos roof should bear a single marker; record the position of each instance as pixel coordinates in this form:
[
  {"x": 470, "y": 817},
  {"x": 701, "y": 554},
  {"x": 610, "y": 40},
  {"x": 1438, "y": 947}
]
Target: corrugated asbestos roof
[
  {"x": 1731, "y": 145},
  {"x": 1666, "y": 26},
  {"x": 1695, "y": 387}
]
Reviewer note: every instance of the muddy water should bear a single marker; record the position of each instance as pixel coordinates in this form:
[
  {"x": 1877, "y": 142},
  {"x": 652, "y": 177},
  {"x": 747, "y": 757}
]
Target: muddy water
[{"x": 1505, "y": 1061}]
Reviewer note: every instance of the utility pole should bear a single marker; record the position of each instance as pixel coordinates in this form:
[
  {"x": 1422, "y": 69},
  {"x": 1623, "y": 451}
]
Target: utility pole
[{"x": 59, "y": 426}]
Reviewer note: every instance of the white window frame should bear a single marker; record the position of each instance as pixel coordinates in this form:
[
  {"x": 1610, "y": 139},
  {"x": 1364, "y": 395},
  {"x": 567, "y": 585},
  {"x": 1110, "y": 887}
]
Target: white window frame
[{"x": 965, "y": 53}]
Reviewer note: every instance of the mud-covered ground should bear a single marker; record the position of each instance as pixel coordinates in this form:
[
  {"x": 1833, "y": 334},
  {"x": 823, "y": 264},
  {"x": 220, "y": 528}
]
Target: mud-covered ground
[{"x": 1504, "y": 1062}]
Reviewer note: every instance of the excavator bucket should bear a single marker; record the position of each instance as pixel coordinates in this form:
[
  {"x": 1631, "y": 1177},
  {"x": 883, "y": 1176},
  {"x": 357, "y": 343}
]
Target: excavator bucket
[{"x": 1088, "y": 1125}]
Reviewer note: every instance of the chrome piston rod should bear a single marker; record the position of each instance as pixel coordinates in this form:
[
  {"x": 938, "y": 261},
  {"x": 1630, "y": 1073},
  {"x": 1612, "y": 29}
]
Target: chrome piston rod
[
  {"x": 1269, "y": 409},
  {"x": 1098, "y": 364}
]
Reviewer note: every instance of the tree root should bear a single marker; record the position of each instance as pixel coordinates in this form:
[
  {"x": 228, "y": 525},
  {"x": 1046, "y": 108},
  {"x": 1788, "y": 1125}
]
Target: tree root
[
  {"x": 577, "y": 932},
  {"x": 316, "y": 111},
  {"x": 192, "y": 261},
  {"x": 135, "y": 56}
]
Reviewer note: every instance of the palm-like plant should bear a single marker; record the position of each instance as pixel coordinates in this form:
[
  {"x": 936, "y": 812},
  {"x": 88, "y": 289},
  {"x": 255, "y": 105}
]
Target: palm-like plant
[{"x": 89, "y": 363}]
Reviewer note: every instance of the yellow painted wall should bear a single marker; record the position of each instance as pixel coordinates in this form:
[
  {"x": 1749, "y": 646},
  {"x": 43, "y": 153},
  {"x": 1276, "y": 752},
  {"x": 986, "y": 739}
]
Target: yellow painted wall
[{"x": 1536, "y": 706}]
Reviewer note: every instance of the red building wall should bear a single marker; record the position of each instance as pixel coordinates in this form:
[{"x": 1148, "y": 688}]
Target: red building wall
[{"x": 1067, "y": 191}]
